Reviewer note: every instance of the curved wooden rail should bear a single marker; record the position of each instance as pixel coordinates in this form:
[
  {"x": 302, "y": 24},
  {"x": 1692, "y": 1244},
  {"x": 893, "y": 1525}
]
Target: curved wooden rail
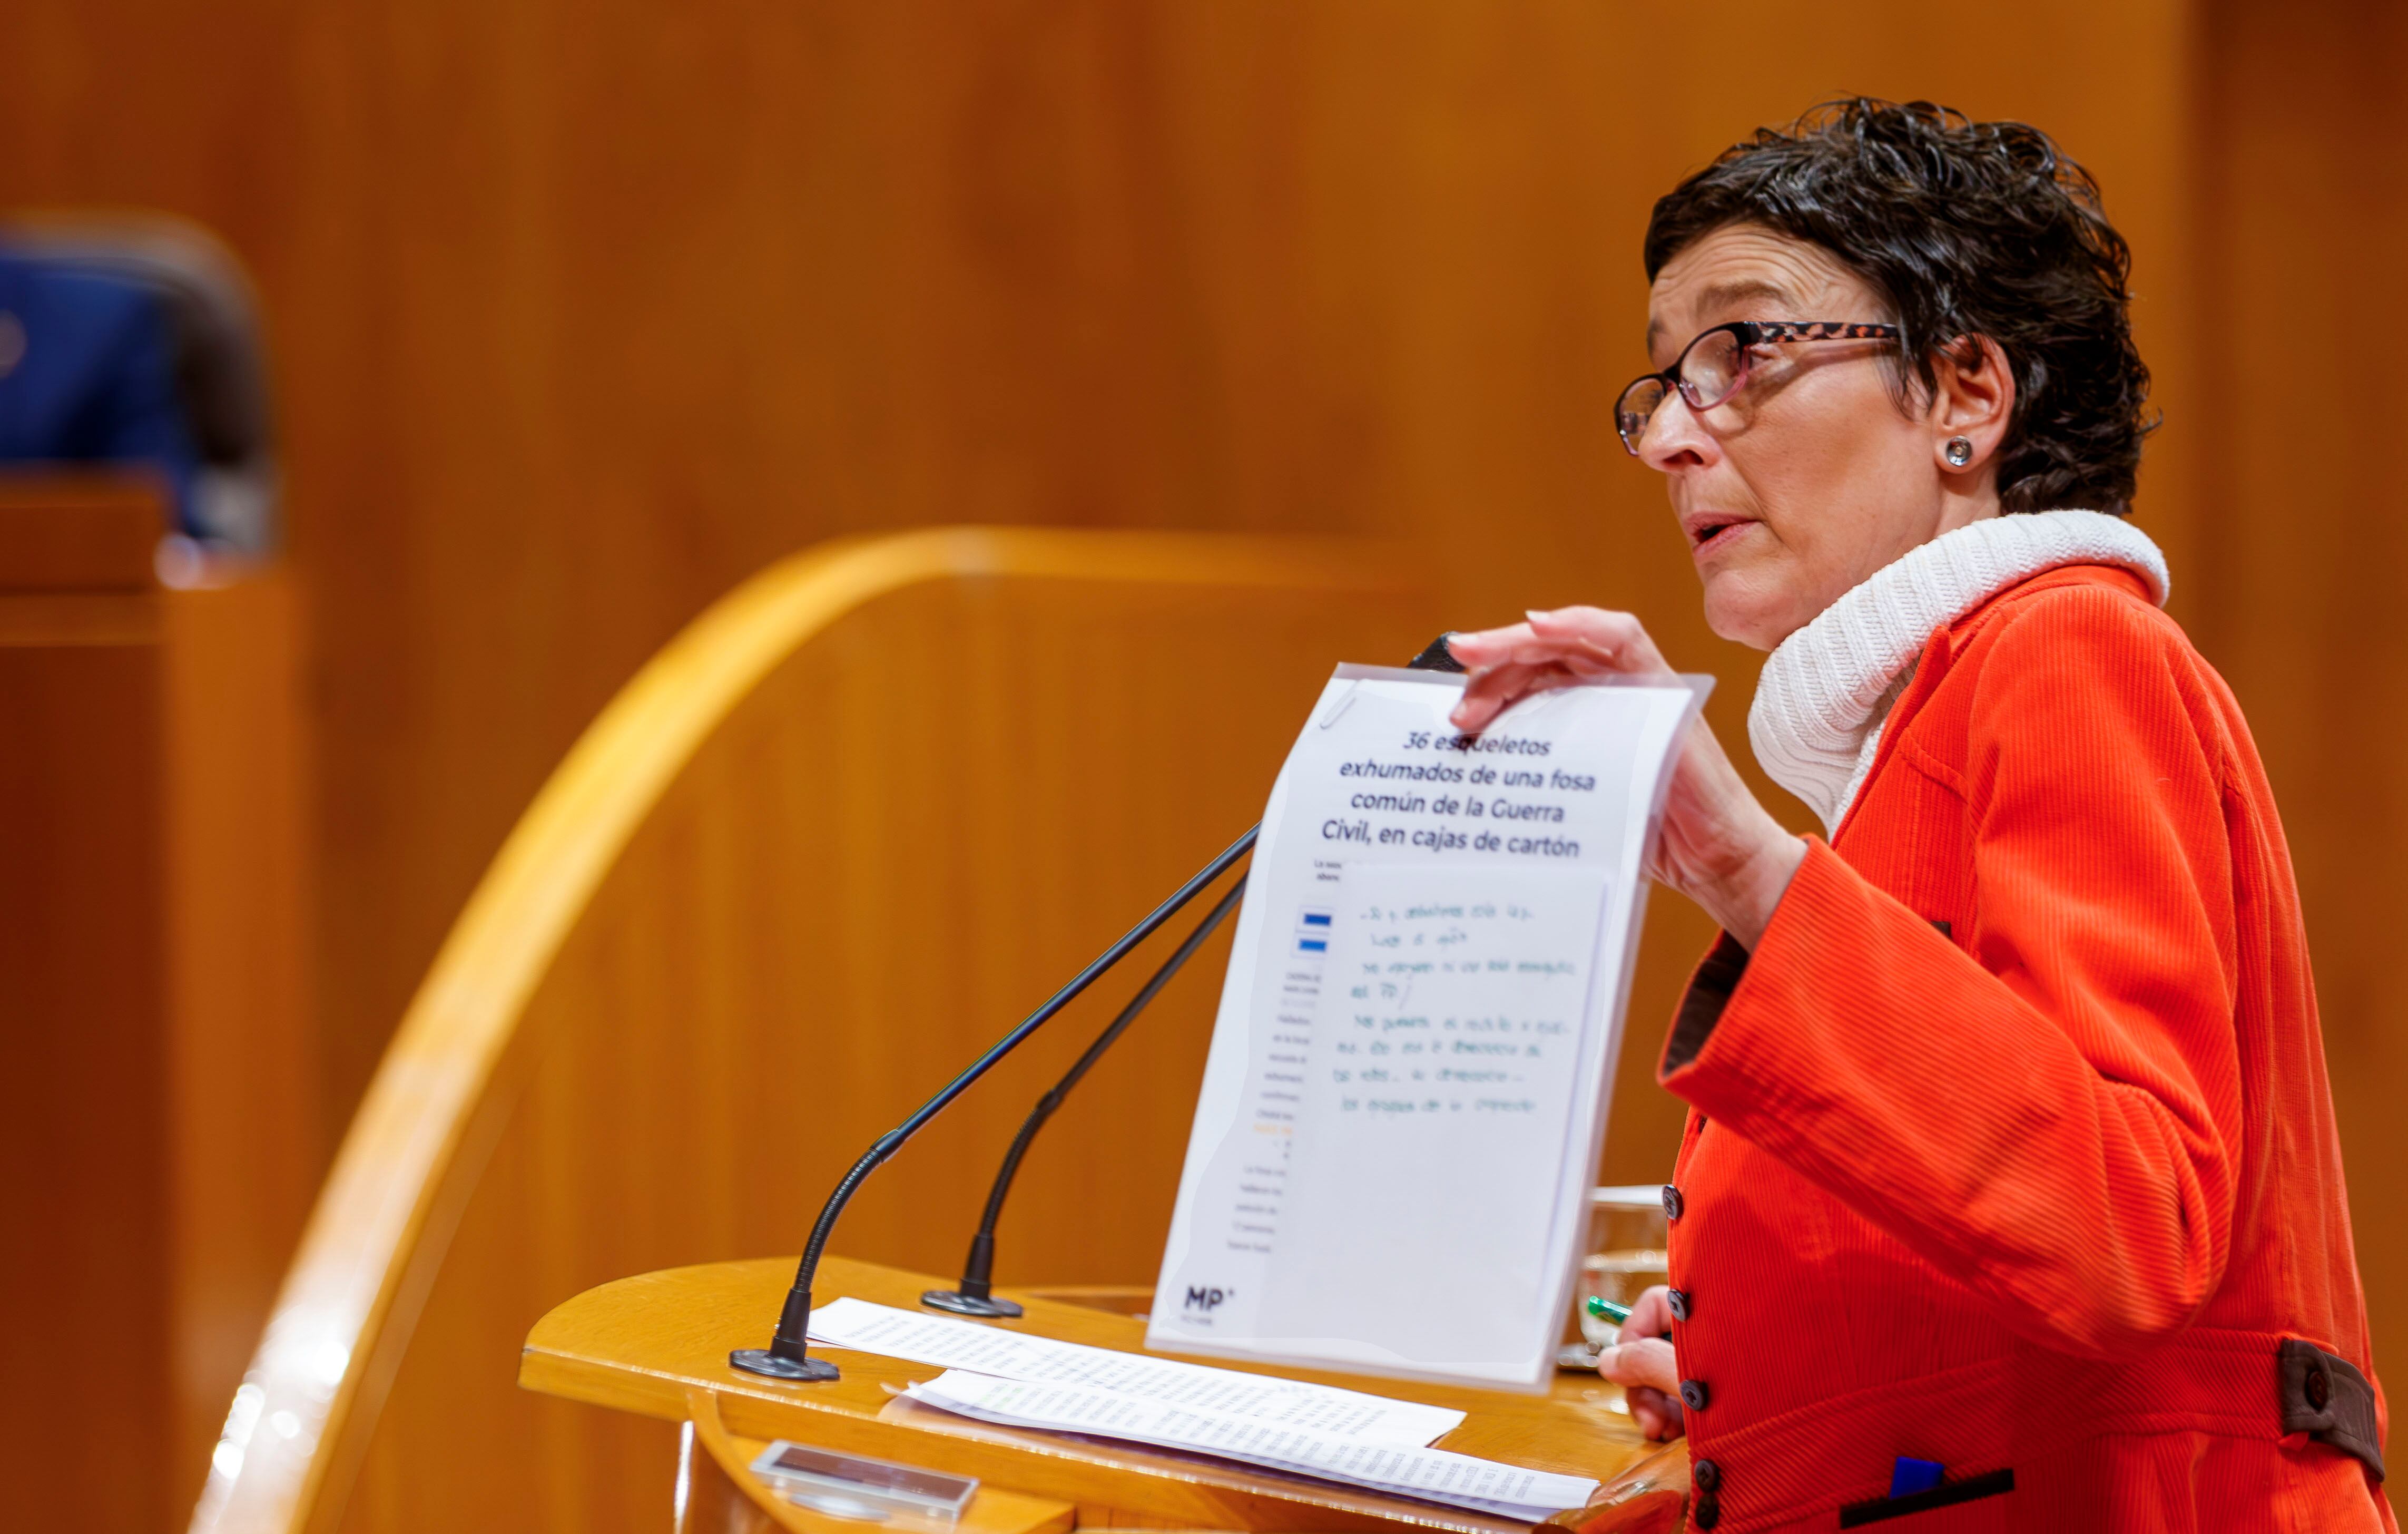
[{"x": 445, "y": 1092}]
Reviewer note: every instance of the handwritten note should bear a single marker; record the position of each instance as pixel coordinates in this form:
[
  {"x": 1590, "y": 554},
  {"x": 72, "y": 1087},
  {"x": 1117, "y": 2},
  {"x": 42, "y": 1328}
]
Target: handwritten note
[
  {"x": 1436, "y": 1107},
  {"x": 1405, "y": 1093}
]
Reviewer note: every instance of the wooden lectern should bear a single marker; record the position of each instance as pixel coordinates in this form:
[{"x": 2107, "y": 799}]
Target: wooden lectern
[
  {"x": 657, "y": 1346},
  {"x": 157, "y": 1087}
]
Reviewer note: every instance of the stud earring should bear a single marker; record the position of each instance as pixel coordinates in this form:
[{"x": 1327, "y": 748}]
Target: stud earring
[{"x": 1959, "y": 452}]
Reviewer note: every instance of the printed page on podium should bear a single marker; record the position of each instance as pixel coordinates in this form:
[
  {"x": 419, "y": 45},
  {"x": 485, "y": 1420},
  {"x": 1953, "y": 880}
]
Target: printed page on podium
[{"x": 1405, "y": 1098}]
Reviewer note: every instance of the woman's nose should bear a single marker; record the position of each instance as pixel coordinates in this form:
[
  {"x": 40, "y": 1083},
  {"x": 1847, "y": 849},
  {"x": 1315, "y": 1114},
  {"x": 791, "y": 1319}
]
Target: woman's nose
[{"x": 1675, "y": 438}]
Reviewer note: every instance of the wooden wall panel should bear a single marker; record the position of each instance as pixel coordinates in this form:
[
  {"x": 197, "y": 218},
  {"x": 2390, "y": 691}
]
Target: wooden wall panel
[
  {"x": 585, "y": 313},
  {"x": 83, "y": 1128},
  {"x": 2304, "y": 529}
]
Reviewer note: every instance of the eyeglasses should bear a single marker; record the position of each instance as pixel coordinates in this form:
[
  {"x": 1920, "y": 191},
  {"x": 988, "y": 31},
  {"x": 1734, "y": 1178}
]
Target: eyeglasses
[{"x": 1715, "y": 366}]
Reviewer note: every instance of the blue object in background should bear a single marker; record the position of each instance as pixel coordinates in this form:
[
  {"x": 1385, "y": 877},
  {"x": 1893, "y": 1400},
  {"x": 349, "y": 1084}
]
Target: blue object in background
[
  {"x": 90, "y": 373},
  {"x": 134, "y": 338},
  {"x": 1909, "y": 1476}
]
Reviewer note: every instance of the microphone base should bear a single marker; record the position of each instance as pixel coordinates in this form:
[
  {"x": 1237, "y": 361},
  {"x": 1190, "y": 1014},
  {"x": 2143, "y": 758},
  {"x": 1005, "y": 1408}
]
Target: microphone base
[
  {"x": 762, "y": 1361},
  {"x": 956, "y": 1302}
]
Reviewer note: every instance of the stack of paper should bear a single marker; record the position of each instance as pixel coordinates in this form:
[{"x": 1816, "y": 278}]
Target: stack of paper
[
  {"x": 1294, "y": 1438},
  {"x": 1020, "y": 1380},
  {"x": 865, "y": 1327}
]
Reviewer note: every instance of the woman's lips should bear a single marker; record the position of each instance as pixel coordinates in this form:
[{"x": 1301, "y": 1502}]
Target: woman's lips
[{"x": 1712, "y": 533}]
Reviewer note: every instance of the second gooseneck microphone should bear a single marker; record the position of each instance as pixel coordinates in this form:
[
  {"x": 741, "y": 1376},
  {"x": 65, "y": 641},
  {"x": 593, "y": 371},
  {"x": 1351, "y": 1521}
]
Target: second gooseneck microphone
[{"x": 974, "y": 1295}]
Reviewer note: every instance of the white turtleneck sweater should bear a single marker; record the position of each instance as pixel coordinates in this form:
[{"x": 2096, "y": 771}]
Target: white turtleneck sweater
[{"x": 1826, "y": 689}]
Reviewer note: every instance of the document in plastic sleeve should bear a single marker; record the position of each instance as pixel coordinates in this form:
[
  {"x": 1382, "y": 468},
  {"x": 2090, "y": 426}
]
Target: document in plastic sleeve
[{"x": 1405, "y": 1096}]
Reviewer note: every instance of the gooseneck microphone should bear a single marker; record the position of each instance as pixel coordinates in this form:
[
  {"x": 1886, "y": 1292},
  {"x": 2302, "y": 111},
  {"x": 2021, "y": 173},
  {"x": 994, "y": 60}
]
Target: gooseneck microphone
[
  {"x": 975, "y": 1294},
  {"x": 788, "y": 1354}
]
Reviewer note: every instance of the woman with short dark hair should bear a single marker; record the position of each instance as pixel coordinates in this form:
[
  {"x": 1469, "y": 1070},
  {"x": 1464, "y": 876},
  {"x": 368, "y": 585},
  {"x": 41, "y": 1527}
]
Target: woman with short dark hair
[{"x": 2011, "y": 1185}]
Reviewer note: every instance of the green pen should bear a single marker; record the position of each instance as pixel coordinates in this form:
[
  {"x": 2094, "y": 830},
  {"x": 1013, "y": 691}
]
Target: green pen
[{"x": 1606, "y": 1310}]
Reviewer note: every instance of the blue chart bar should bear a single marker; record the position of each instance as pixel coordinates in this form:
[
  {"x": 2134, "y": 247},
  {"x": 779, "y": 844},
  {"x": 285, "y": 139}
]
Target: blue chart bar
[{"x": 1313, "y": 931}]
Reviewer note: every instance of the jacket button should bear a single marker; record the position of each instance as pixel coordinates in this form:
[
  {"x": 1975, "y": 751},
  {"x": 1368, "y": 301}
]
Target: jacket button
[
  {"x": 1677, "y": 1301},
  {"x": 1705, "y": 1475},
  {"x": 1671, "y": 1202},
  {"x": 2319, "y": 1388},
  {"x": 1705, "y": 1510},
  {"x": 1694, "y": 1395}
]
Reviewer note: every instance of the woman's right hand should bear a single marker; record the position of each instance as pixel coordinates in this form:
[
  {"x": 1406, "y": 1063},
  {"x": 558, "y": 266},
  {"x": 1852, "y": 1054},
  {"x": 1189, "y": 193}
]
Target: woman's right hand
[
  {"x": 1720, "y": 846},
  {"x": 1646, "y": 1368}
]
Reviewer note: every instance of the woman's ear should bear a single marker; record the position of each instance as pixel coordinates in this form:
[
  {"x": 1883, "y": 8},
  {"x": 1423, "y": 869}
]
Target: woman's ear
[{"x": 1972, "y": 395}]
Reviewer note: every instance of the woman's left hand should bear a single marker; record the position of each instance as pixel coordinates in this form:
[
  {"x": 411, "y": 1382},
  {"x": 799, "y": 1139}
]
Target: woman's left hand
[
  {"x": 1645, "y": 1366},
  {"x": 1720, "y": 846}
]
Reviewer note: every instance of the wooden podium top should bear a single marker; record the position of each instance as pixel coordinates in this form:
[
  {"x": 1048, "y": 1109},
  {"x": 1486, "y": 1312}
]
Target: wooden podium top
[{"x": 641, "y": 1344}]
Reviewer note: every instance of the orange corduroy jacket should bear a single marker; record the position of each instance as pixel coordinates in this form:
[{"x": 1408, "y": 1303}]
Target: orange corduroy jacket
[{"x": 2012, "y": 1147}]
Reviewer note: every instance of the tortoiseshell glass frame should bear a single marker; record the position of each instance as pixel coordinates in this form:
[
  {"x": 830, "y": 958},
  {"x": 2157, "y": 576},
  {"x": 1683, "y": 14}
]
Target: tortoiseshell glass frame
[{"x": 1751, "y": 333}]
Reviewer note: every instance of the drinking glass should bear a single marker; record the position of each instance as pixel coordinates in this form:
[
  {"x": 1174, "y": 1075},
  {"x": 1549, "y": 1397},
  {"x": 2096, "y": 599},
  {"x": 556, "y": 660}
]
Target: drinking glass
[{"x": 1625, "y": 1254}]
